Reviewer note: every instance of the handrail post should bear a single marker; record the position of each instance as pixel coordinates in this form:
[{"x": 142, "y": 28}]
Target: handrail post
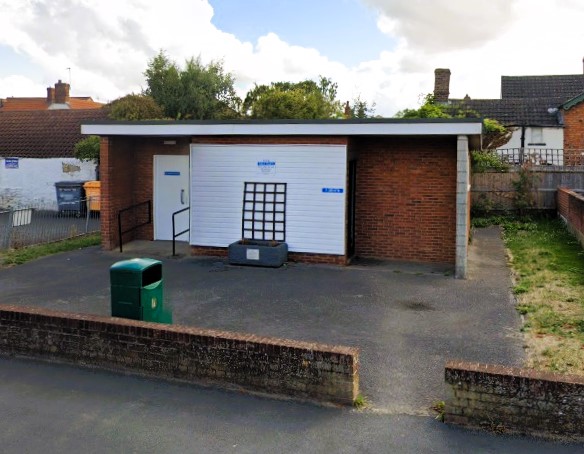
[
  {"x": 174, "y": 234},
  {"x": 173, "y": 237}
]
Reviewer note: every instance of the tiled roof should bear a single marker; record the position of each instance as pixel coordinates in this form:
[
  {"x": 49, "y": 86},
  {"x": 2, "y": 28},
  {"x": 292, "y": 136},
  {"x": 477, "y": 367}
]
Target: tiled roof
[
  {"x": 514, "y": 112},
  {"x": 43, "y": 133},
  {"x": 18, "y": 104},
  {"x": 564, "y": 86}
]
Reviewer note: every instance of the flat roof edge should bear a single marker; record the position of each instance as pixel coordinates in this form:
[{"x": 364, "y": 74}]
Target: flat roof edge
[{"x": 286, "y": 128}]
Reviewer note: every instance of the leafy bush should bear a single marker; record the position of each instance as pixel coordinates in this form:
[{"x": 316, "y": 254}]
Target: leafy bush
[
  {"x": 87, "y": 149},
  {"x": 134, "y": 107},
  {"x": 487, "y": 160}
]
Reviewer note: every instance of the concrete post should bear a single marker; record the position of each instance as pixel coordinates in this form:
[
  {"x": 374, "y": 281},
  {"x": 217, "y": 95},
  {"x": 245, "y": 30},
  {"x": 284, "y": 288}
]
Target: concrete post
[{"x": 462, "y": 206}]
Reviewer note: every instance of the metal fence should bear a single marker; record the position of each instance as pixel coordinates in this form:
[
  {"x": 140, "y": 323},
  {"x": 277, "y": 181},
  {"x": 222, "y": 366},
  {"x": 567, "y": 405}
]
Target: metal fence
[
  {"x": 45, "y": 223},
  {"x": 534, "y": 156}
]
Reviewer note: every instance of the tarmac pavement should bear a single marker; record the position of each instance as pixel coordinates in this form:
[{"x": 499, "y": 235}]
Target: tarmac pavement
[{"x": 406, "y": 319}]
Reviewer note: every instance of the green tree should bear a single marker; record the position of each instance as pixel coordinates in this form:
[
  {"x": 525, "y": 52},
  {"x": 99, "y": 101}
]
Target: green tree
[
  {"x": 87, "y": 149},
  {"x": 361, "y": 108},
  {"x": 134, "y": 107},
  {"x": 288, "y": 100},
  {"x": 197, "y": 91},
  {"x": 429, "y": 109},
  {"x": 495, "y": 134}
]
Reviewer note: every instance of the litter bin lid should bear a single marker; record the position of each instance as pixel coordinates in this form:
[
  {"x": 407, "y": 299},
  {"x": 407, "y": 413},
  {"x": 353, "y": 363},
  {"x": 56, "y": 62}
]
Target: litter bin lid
[
  {"x": 70, "y": 183},
  {"x": 134, "y": 265},
  {"x": 137, "y": 272}
]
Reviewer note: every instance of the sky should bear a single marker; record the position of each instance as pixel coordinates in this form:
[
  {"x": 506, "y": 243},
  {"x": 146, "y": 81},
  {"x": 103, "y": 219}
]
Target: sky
[{"x": 384, "y": 51}]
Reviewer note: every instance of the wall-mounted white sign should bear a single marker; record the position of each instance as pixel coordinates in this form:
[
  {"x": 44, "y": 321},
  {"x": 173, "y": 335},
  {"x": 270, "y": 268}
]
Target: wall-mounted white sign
[{"x": 267, "y": 167}]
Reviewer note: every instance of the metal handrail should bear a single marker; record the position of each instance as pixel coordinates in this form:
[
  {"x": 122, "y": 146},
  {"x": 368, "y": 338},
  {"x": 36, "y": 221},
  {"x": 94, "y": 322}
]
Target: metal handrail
[
  {"x": 149, "y": 221},
  {"x": 175, "y": 235}
]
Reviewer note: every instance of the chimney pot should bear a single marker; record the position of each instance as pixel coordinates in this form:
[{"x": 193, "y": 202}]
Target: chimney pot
[{"x": 441, "y": 84}]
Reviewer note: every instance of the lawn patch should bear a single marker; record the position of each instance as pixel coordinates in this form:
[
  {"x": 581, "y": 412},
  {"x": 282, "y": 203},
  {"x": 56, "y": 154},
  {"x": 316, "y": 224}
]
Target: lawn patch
[
  {"x": 548, "y": 266},
  {"x": 19, "y": 256}
]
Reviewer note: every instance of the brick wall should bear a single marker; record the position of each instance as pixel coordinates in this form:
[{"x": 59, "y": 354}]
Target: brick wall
[
  {"x": 116, "y": 158},
  {"x": 406, "y": 198},
  {"x": 303, "y": 257},
  {"x": 574, "y": 135},
  {"x": 127, "y": 166},
  {"x": 405, "y": 192},
  {"x": 514, "y": 400},
  {"x": 571, "y": 210},
  {"x": 260, "y": 364}
]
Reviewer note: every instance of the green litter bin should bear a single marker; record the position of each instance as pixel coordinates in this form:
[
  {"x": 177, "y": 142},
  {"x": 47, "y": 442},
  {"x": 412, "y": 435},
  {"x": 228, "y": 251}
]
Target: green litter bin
[{"x": 137, "y": 290}]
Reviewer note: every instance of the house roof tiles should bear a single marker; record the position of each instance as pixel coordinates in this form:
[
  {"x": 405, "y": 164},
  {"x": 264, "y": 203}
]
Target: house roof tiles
[
  {"x": 515, "y": 111},
  {"x": 559, "y": 86},
  {"x": 43, "y": 133},
  {"x": 18, "y": 104}
]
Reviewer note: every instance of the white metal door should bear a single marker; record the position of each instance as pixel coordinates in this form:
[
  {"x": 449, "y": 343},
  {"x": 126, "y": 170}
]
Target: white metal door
[{"x": 171, "y": 194}]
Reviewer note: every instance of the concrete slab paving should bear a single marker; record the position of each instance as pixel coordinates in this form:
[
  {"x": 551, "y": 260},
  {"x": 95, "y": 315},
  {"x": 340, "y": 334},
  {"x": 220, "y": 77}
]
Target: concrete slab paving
[{"x": 406, "y": 319}]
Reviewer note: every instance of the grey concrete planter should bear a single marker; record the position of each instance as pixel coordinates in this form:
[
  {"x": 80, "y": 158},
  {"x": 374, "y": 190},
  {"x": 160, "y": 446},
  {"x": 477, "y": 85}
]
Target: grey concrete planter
[{"x": 258, "y": 253}]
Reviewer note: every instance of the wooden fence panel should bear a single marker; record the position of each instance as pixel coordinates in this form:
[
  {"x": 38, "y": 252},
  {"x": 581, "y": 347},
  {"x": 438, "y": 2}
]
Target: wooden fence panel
[{"x": 495, "y": 191}]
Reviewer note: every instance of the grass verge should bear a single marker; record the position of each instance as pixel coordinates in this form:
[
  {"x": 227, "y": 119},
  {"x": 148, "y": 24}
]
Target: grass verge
[
  {"x": 20, "y": 256},
  {"x": 548, "y": 268}
]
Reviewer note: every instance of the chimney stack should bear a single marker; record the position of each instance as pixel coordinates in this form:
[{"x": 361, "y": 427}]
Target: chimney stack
[
  {"x": 348, "y": 113},
  {"x": 441, "y": 84},
  {"x": 50, "y": 95},
  {"x": 61, "y": 92}
]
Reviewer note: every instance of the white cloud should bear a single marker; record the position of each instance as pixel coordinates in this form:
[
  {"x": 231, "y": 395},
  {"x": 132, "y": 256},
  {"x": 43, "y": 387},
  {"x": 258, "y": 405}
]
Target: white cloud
[
  {"x": 20, "y": 86},
  {"x": 442, "y": 25},
  {"x": 107, "y": 44}
]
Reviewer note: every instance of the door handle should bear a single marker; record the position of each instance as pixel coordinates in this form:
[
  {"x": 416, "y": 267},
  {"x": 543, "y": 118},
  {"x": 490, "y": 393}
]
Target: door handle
[{"x": 182, "y": 196}]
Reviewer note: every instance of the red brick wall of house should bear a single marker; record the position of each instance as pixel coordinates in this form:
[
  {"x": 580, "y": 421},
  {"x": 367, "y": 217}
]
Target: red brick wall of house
[
  {"x": 405, "y": 195},
  {"x": 574, "y": 135},
  {"x": 406, "y": 198},
  {"x": 116, "y": 157},
  {"x": 127, "y": 165}
]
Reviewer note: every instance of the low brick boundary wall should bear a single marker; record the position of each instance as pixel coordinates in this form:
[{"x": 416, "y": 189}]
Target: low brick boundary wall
[
  {"x": 261, "y": 364},
  {"x": 571, "y": 210},
  {"x": 301, "y": 257},
  {"x": 514, "y": 400}
]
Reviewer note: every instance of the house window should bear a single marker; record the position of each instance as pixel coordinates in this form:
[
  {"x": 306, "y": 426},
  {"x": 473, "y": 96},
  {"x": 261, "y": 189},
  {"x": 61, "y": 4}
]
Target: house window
[{"x": 536, "y": 137}]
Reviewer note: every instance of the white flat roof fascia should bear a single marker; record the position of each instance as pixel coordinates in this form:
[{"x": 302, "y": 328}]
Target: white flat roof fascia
[{"x": 286, "y": 129}]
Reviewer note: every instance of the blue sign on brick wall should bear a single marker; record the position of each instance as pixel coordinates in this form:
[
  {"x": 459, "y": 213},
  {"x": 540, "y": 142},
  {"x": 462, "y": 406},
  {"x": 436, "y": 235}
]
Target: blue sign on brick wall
[{"x": 11, "y": 163}]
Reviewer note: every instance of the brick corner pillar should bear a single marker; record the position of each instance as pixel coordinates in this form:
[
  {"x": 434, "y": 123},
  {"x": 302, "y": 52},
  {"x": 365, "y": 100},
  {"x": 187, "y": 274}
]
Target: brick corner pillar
[
  {"x": 106, "y": 220},
  {"x": 462, "y": 206}
]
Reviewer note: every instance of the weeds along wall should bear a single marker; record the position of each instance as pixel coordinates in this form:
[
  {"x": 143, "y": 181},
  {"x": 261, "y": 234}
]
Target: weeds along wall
[
  {"x": 514, "y": 400},
  {"x": 258, "y": 364}
]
